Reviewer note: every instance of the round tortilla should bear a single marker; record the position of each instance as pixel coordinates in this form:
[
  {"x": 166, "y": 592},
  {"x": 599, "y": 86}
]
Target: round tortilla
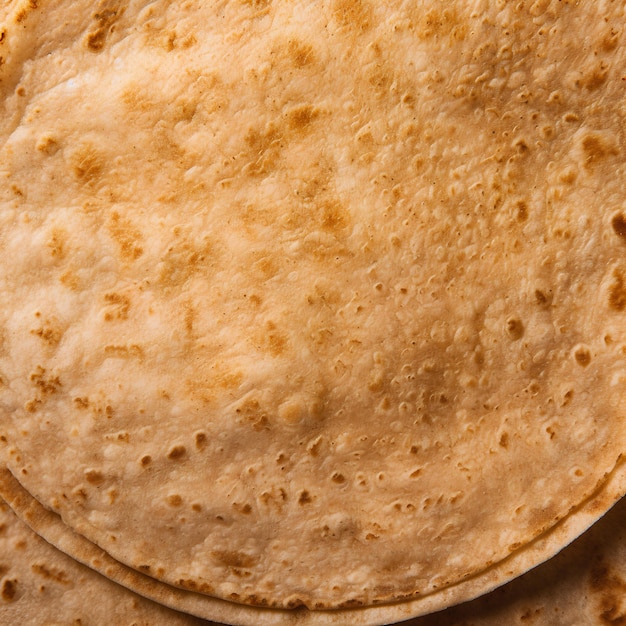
[
  {"x": 314, "y": 304},
  {"x": 586, "y": 582},
  {"x": 41, "y": 585}
]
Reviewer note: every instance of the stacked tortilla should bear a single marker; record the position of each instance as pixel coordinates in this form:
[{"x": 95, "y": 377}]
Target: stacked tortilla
[{"x": 312, "y": 311}]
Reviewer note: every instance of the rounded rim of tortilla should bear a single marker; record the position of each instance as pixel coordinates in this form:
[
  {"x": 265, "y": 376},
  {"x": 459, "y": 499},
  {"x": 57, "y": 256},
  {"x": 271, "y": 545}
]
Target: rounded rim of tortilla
[{"x": 50, "y": 527}]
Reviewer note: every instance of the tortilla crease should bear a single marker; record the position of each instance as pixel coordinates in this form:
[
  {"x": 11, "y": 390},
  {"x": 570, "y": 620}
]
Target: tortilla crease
[
  {"x": 313, "y": 304},
  {"x": 583, "y": 584}
]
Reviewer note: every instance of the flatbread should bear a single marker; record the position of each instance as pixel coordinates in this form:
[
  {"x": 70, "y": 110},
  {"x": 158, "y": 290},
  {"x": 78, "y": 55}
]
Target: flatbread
[
  {"x": 305, "y": 299},
  {"x": 586, "y": 583},
  {"x": 41, "y": 585}
]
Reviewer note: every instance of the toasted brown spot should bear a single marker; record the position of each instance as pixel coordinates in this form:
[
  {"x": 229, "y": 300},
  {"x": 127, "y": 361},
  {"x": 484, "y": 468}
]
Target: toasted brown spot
[
  {"x": 301, "y": 54},
  {"x": 338, "y": 478},
  {"x": 232, "y": 558},
  {"x": 301, "y": 116},
  {"x": 127, "y": 237},
  {"x": 177, "y": 452},
  {"x": 596, "y": 148},
  {"x": 51, "y": 573},
  {"x": 104, "y": 21},
  {"x": 305, "y": 497},
  {"x": 541, "y": 298},
  {"x": 174, "y": 500},
  {"x": 514, "y": 328},
  {"x": 48, "y": 145},
  {"x": 582, "y": 356},
  {"x": 619, "y": 225},
  {"x": 46, "y": 385},
  {"x": 504, "y": 440},
  {"x": 120, "y": 306},
  {"x": 49, "y": 334},
  {"x": 201, "y": 440},
  {"x": 9, "y": 589},
  {"x": 146, "y": 460},
  {"x": 617, "y": 292},
  {"x": 354, "y": 14},
  {"x": 94, "y": 477}
]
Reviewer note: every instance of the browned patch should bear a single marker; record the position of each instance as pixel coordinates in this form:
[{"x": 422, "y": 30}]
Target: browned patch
[
  {"x": 619, "y": 225},
  {"x": 46, "y": 385},
  {"x": 133, "y": 350},
  {"x": 514, "y": 328},
  {"x": 9, "y": 589},
  {"x": 305, "y": 497},
  {"x": 521, "y": 211},
  {"x": 181, "y": 261},
  {"x": 86, "y": 163},
  {"x": 596, "y": 148},
  {"x": 582, "y": 356},
  {"x": 334, "y": 216},
  {"x": 201, "y": 440},
  {"x": 174, "y": 500},
  {"x": 353, "y": 14},
  {"x": 104, "y": 22},
  {"x": 439, "y": 22},
  {"x": 94, "y": 477},
  {"x": 273, "y": 341},
  {"x": 51, "y": 573},
  {"x": 49, "y": 334},
  {"x": 232, "y": 558},
  {"x": 177, "y": 453},
  {"x": 251, "y": 410},
  {"x": 119, "y": 306},
  {"x": 504, "y": 440},
  {"x": 264, "y": 149},
  {"x": 301, "y": 116},
  {"x": 338, "y": 478},
  {"x": 300, "y": 53},
  {"x": 81, "y": 402},
  {"x": 146, "y": 460},
  {"x": 70, "y": 280},
  {"x": 617, "y": 292},
  {"x": 127, "y": 237},
  {"x": 596, "y": 77},
  {"x": 245, "y": 508},
  {"x": 257, "y": 4},
  {"x": 187, "y": 583},
  {"x": 48, "y": 145},
  {"x": 25, "y": 11}
]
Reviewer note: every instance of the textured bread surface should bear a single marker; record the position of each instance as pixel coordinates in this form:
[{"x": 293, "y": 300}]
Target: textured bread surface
[{"x": 315, "y": 304}]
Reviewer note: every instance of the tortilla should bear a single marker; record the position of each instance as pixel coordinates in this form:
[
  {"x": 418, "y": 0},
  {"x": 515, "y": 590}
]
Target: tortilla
[
  {"x": 313, "y": 304},
  {"x": 40, "y": 585},
  {"x": 586, "y": 582}
]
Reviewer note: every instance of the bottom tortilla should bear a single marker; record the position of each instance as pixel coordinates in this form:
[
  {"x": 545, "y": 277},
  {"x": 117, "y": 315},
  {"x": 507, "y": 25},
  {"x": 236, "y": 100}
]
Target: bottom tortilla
[{"x": 589, "y": 578}]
